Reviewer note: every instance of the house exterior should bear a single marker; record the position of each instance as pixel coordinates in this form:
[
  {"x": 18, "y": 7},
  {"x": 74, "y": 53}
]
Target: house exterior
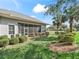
[{"x": 12, "y": 23}]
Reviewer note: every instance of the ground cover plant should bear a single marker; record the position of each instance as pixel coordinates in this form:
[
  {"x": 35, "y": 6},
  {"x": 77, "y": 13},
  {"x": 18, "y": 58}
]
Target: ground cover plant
[
  {"x": 30, "y": 51},
  {"x": 45, "y": 38},
  {"x": 35, "y": 50},
  {"x": 77, "y": 37}
]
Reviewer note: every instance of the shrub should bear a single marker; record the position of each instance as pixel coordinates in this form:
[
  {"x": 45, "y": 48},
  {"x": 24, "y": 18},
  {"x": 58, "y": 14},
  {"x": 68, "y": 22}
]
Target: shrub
[
  {"x": 42, "y": 38},
  {"x": 45, "y": 38},
  {"x": 52, "y": 38},
  {"x": 14, "y": 40},
  {"x": 17, "y": 35},
  {"x": 47, "y": 33},
  {"x": 56, "y": 32},
  {"x": 4, "y": 37},
  {"x": 4, "y": 41},
  {"x": 67, "y": 37},
  {"x": 67, "y": 30},
  {"x": 22, "y": 39}
]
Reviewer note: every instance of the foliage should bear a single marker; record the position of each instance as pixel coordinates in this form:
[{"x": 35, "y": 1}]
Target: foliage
[
  {"x": 56, "y": 32},
  {"x": 77, "y": 37},
  {"x": 14, "y": 53},
  {"x": 59, "y": 5},
  {"x": 66, "y": 37},
  {"x": 22, "y": 39},
  {"x": 17, "y": 35},
  {"x": 4, "y": 41},
  {"x": 64, "y": 10},
  {"x": 4, "y": 37},
  {"x": 45, "y": 38},
  {"x": 30, "y": 51},
  {"x": 38, "y": 52},
  {"x": 57, "y": 24},
  {"x": 66, "y": 55},
  {"x": 13, "y": 40},
  {"x": 47, "y": 33}
]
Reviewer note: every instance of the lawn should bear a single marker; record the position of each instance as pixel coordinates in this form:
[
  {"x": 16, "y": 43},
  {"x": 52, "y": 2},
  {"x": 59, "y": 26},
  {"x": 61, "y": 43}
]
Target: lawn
[{"x": 77, "y": 37}]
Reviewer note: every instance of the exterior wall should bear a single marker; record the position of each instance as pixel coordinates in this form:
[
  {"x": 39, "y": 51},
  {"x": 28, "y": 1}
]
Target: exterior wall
[
  {"x": 5, "y": 22},
  {"x": 4, "y": 28}
]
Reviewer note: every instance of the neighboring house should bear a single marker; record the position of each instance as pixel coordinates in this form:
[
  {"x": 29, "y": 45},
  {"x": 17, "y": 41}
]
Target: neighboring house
[{"x": 12, "y": 23}]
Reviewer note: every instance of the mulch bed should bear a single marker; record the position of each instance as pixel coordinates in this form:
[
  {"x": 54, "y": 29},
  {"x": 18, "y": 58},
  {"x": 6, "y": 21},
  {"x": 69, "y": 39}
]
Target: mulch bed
[{"x": 60, "y": 47}]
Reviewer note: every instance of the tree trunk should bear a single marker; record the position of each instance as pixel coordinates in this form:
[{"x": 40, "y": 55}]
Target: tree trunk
[
  {"x": 57, "y": 27},
  {"x": 71, "y": 27},
  {"x": 71, "y": 23}
]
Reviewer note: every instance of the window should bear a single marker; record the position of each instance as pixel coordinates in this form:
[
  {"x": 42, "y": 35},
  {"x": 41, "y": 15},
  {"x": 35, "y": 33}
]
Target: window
[
  {"x": 25, "y": 31},
  {"x": 39, "y": 28},
  {"x": 23, "y": 28},
  {"x": 43, "y": 28},
  {"x": 11, "y": 29},
  {"x": 30, "y": 28}
]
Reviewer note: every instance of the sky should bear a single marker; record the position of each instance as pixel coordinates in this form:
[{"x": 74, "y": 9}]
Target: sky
[{"x": 33, "y": 8}]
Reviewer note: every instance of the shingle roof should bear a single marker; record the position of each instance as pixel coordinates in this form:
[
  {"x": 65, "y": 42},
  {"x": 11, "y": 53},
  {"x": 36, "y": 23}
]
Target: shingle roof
[{"x": 17, "y": 15}]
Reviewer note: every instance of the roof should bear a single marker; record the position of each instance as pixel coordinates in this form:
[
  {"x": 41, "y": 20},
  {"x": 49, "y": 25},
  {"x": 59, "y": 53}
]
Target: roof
[{"x": 20, "y": 16}]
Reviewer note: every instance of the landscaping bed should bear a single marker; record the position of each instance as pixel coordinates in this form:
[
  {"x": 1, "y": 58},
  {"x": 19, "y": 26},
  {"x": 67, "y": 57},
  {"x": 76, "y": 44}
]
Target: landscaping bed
[{"x": 61, "y": 47}]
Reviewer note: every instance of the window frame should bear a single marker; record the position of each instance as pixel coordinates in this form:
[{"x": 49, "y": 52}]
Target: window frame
[{"x": 11, "y": 29}]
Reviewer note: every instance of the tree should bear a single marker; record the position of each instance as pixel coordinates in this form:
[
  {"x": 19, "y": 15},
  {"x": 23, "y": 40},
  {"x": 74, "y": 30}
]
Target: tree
[
  {"x": 72, "y": 14},
  {"x": 77, "y": 27},
  {"x": 57, "y": 24},
  {"x": 64, "y": 10}
]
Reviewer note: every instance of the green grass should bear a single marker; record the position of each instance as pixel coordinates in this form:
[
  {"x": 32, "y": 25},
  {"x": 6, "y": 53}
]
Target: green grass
[
  {"x": 44, "y": 38},
  {"x": 70, "y": 55},
  {"x": 52, "y": 34},
  {"x": 77, "y": 37}
]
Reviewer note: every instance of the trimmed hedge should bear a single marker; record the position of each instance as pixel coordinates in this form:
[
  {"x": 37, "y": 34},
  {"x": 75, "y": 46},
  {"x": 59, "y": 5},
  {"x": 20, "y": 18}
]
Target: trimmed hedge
[
  {"x": 22, "y": 39},
  {"x": 4, "y": 37},
  {"x": 13, "y": 41},
  {"x": 4, "y": 41},
  {"x": 67, "y": 37},
  {"x": 45, "y": 38}
]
